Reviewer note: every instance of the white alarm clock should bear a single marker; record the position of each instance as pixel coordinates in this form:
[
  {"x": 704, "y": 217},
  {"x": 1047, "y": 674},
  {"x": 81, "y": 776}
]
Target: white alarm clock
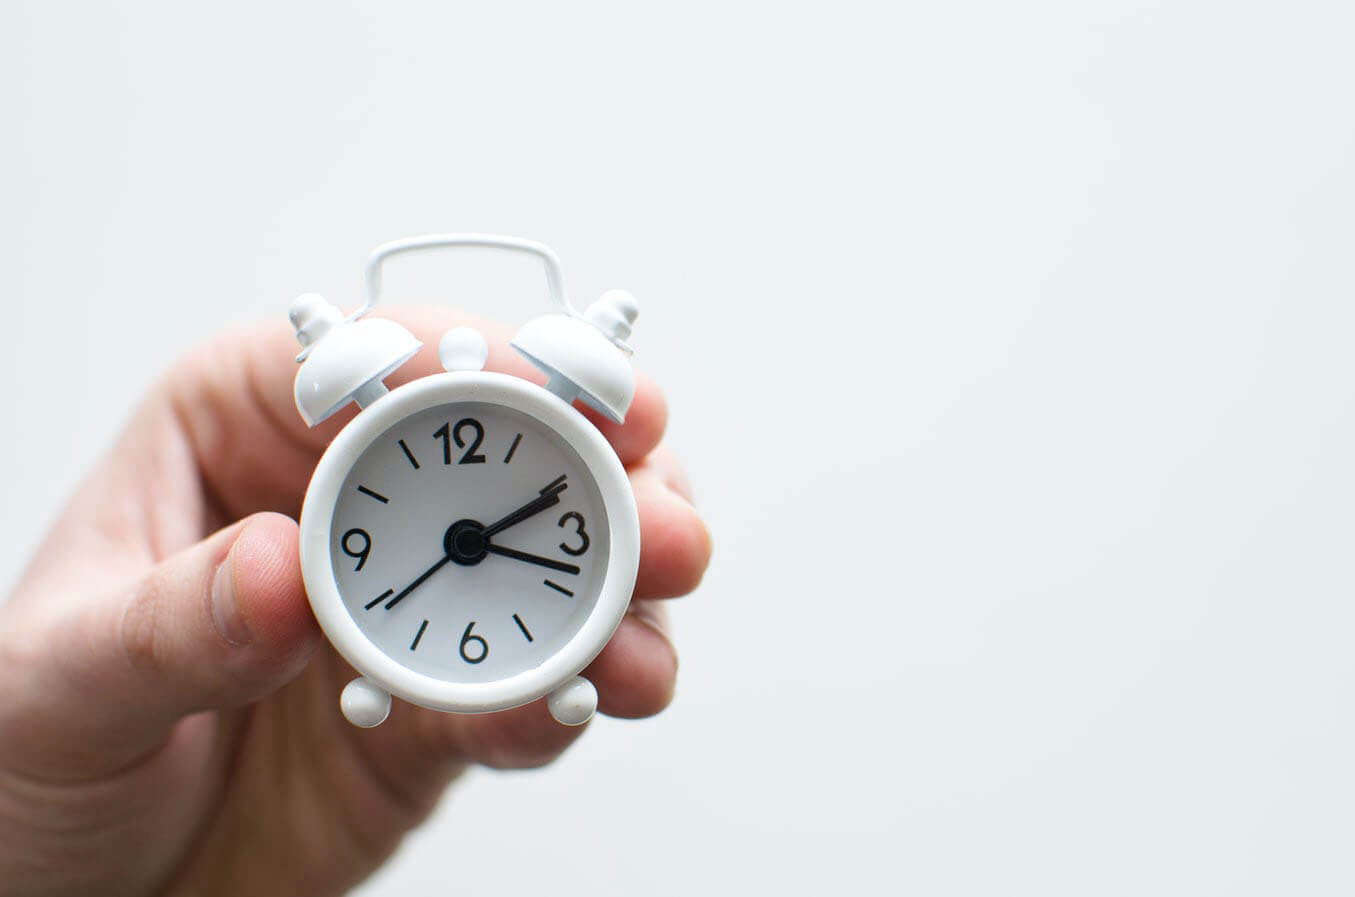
[{"x": 469, "y": 542}]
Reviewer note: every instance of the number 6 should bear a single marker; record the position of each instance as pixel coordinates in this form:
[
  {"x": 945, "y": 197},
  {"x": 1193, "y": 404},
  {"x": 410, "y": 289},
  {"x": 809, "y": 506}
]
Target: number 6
[{"x": 466, "y": 638}]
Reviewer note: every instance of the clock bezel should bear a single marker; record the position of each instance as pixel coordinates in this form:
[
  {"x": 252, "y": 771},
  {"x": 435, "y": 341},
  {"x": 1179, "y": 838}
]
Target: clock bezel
[{"x": 618, "y": 501}]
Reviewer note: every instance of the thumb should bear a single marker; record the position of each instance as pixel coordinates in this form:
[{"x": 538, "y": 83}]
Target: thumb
[{"x": 219, "y": 624}]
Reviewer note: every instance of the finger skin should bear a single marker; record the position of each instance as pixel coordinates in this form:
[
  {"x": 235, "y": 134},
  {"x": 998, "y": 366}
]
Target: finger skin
[
  {"x": 662, "y": 464},
  {"x": 645, "y": 422},
  {"x": 636, "y": 673},
  {"x": 190, "y": 655},
  {"x": 157, "y": 652},
  {"x": 676, "y": 545},
  {"x": 270, "y": 595},
  {"x": 525, "y": 737}
]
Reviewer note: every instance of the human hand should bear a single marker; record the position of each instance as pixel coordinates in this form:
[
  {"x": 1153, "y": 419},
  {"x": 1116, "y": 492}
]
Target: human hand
[{"x": 169, "y": 717}]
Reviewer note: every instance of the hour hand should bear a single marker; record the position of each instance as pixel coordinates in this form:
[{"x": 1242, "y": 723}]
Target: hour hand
[{"x": 532, "y": 559}]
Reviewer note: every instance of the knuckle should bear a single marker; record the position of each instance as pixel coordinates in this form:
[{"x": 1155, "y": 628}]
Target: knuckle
[
  {"x": 140, "y": 627},
  {"x": 700, "y": 548},
  {"x": 671, "y": 471},
  {"x": 689, "y": 555},
  {"x": 521, "y": 742}
]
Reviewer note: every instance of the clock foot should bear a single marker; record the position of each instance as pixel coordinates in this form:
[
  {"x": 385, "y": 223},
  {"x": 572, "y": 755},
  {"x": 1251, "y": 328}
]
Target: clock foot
[
  {"x": 573, "y": 703},
  {"x": 365, "y": 703}
]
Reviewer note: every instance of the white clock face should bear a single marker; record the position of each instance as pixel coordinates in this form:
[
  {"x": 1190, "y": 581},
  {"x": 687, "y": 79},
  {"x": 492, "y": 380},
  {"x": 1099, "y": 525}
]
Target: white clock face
[{"x": 469, "y": 542}]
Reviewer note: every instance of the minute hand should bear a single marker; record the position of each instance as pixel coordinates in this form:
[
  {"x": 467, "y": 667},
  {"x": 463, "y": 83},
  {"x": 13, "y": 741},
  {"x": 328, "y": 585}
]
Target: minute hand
[{"x": 549, "y": 496}]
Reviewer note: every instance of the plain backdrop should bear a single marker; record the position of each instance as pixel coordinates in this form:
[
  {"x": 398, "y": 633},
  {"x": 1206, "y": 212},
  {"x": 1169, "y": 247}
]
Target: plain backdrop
[{"x": 1008, "y": 346}]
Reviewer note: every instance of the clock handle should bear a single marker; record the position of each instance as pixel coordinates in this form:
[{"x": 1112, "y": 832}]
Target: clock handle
[{"x": 555, "y": 281}]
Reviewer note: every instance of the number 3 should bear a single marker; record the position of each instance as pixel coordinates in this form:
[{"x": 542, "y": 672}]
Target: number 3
[{"x": 578, "y": 531}]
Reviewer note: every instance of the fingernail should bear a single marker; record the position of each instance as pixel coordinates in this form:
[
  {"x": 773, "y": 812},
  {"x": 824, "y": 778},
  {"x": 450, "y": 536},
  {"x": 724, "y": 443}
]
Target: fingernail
[
  {"x": 653, "y": 616},
  {"x": 225, "y": 611}
]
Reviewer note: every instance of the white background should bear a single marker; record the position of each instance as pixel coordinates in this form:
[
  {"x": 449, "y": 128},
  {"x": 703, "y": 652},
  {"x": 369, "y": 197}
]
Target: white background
[{"x": 1008, "y": 345}]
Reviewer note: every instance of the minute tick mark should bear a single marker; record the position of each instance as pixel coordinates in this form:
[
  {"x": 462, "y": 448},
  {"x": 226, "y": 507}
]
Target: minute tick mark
[
  {"x": 376, "y": 495},
  {"x": 408, "y": 454},
  {"x": 378, "y": 599}
]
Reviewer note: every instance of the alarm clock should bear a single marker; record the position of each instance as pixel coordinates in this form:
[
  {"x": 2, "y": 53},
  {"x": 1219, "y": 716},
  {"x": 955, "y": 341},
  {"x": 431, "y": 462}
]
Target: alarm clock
[{"x": 469, "y": 541}]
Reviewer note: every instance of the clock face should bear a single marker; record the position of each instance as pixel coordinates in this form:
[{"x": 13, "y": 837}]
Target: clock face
[{"x": 469, "y": 542}]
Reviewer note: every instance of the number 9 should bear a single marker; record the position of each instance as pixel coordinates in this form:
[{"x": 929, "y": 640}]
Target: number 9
[{"x": 360, "y": 553}]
